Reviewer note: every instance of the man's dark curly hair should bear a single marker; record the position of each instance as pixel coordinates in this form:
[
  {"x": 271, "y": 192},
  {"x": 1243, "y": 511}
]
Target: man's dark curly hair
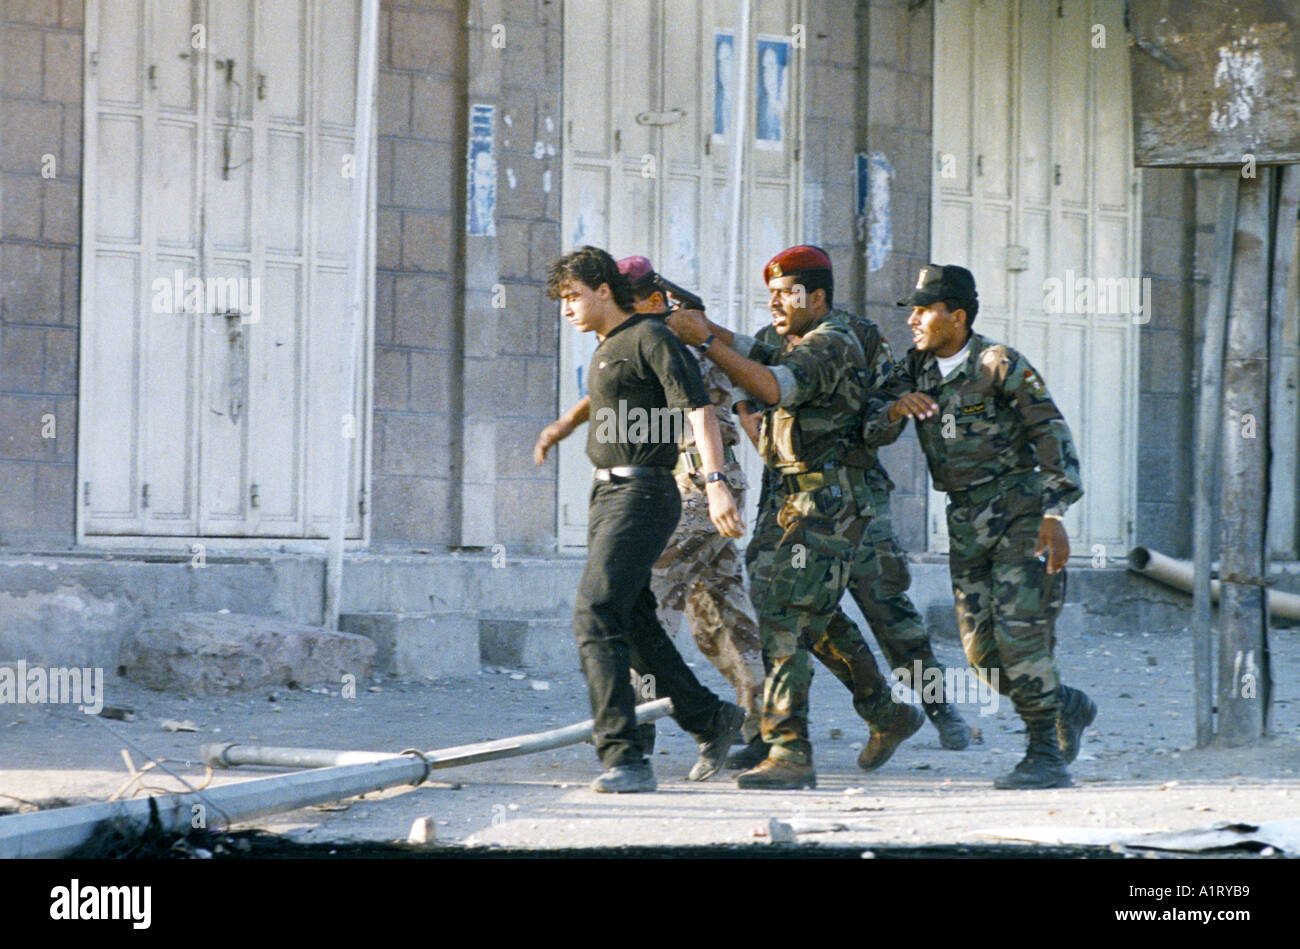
[
  {"x": 972, "y": 308},
  {"x": 592, "y": 266}
]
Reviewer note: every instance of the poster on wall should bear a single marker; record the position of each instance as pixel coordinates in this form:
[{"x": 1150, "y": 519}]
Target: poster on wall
[
  {"x": 724, "y": 82},
  {"x": 874, "y": 177},
  {"x": 480, "y": 209},
  {"x": 771, "y": 92}
]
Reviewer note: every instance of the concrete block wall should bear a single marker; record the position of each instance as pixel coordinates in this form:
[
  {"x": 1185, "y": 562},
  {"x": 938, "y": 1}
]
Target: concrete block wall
[
  {"x": 1174, "y": 220},
  {"x": 868, "y": 90},
  {"x": 40, "y": 228},
  {"x": 419, "y": 223},
  {"x": 510, "y": 360},
  {"x": 896, "y": 53},
  {"x": 832, "y": 77}
]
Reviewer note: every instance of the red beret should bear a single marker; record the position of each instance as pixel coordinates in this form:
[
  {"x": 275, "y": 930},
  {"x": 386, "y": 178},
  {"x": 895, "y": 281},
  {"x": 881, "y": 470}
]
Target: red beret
[
  {"x": 635, "y": 269},
  {"x": 795, "y": 260}
]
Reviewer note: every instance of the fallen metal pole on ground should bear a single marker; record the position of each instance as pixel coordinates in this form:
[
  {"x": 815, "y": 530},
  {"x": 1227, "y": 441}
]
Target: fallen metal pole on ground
[
  {"x": 58, "y": 832},
  {"x": 232, "y": 755}
]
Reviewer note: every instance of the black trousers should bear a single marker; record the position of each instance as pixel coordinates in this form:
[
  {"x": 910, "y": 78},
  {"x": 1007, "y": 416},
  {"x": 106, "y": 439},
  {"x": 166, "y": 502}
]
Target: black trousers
[{"x": 615, "y": 622}]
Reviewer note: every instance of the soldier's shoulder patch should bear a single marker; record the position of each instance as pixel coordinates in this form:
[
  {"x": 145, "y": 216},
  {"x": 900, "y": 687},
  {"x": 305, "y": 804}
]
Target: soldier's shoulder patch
[
  {"x": 994, "y": 354},
  {"x": 1034, "y": 382}
]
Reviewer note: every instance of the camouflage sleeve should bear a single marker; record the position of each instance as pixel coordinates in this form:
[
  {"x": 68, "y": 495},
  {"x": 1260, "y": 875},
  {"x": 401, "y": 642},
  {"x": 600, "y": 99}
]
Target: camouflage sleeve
[
  {"x": 760, "y": 348},
  {"x": 1047, "y": 434},
  {"x": 885, "y": 383},
  {"x": 755, "y": 348},
  {"x": 814, "y": 367},
  {"x": 720, "y": 394}
]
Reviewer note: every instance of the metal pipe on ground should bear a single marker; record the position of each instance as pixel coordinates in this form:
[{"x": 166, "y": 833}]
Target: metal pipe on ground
[
  {"x": 1178, "y": 574},
  {"x": 58, "y": 832},
  {"x": 232, "y": 755}
]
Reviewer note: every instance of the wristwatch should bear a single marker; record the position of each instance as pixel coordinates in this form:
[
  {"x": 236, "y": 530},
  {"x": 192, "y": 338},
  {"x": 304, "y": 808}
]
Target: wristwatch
[{"x": 715, "y": 476}]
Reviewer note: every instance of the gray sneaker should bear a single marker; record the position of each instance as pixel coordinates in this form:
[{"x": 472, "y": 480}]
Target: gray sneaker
[{"x": 626, "y": 779}]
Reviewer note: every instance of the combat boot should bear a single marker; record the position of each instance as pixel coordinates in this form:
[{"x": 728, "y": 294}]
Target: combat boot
[
  {"x": 883, "y": 742},
  {"x": 751, "y": 756},
  {"x": 1043, "y": 765},
  {"x": 713, "y": 749},
  {"x": 1077, "y": 713},
  {"x": 777, "y": 774},
  {"x": 626, "y": 779},
  {"x": 954, "y": 733}
]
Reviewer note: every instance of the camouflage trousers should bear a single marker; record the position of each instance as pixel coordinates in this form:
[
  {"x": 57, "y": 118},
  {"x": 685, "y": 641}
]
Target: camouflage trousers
[
  {"x": 800, "y": 562},
  {"x": 699, "y": 576},
  {"x": 879, "y": 583},
  {"x": 1007, "y": 602}
]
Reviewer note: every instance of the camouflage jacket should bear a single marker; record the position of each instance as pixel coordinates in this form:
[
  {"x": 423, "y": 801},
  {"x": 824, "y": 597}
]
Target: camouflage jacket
[
  {"x": 883, "y": 381},
  {"x": 995, "y": 418},
  {"x": 822, "y": 378}
]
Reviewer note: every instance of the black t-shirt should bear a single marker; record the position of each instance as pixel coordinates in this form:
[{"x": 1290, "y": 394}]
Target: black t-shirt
[{"x": 642, "y": 384}]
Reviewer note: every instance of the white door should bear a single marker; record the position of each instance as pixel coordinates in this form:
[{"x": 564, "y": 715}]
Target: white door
[
  {"x": 1033, "y": 181},
  {"x": 646, "y": 173},
  {"x": 218, "y": 143}
]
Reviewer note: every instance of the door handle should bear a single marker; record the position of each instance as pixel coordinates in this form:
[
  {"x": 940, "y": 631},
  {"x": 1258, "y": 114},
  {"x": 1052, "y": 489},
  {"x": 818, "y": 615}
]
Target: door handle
[
  {"x": 236, "y": 362},
  {"x": 670, "y": 117}
]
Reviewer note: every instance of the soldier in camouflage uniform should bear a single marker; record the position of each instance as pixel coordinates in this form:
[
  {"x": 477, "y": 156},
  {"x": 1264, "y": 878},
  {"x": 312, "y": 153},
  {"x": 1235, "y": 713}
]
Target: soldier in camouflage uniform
[
  {"x": 699, "y": 573},
  {"x": 880, "y": 573},
  {"x": 996, "y": 442},
  {"x": 808, "y": 535}
]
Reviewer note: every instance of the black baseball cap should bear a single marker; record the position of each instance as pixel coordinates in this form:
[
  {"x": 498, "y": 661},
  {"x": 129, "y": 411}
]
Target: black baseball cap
[{"x": 941, "y": 282}]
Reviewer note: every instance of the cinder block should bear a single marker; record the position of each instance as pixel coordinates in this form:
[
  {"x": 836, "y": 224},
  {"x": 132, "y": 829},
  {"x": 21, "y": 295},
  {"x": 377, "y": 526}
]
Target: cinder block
[
  {"x": 56, "y": 496},
  {"x": 62, "y": 68},
  {"x": 22, "y": 59},
  {"x": 393, "y": 103},
  {"x": 529, "y": 643},
  {"x": 32, "y": 279},
  {"x": 43, "y": 12},
  {"x": 431, "y": 381},
  {"x": 433, "y": 105},
  {"x": 22, "y": 207},
  {"x": 392, "y": 385},
  {"x": 411, "y": 645},
  {"x": 411, "y": 511},
  {"x": 422, "y": 303},
  {"x": 388, "y": 239},
  {"x": 22, "y": 358},
  {"x": 426, "y": 242},
  {"x": 420, "y": 178},
  {"x": 31, "y": 129}
]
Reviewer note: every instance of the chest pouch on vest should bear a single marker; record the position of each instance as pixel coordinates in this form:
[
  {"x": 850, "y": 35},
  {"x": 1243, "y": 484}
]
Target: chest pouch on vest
[{"x": 780, "y": 442}]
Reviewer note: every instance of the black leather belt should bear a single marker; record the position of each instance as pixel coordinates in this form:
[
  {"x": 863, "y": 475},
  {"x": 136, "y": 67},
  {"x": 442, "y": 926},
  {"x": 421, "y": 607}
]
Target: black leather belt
[{"x": 632, "y": 471}]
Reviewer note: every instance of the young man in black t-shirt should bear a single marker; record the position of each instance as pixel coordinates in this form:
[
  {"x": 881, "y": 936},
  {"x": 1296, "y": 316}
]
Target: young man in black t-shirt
[{"x": 641, "y": 381}]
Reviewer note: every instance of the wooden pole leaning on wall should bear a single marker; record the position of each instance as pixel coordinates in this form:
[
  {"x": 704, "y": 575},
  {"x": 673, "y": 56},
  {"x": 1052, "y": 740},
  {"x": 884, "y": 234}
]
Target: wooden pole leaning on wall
[
  {"x": 1243, "y": 612},
  {"x": 1208, "y": 430}
]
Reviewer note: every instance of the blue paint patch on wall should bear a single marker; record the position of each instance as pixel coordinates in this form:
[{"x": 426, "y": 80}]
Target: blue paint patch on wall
[{"x": 481, "y": 162}]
